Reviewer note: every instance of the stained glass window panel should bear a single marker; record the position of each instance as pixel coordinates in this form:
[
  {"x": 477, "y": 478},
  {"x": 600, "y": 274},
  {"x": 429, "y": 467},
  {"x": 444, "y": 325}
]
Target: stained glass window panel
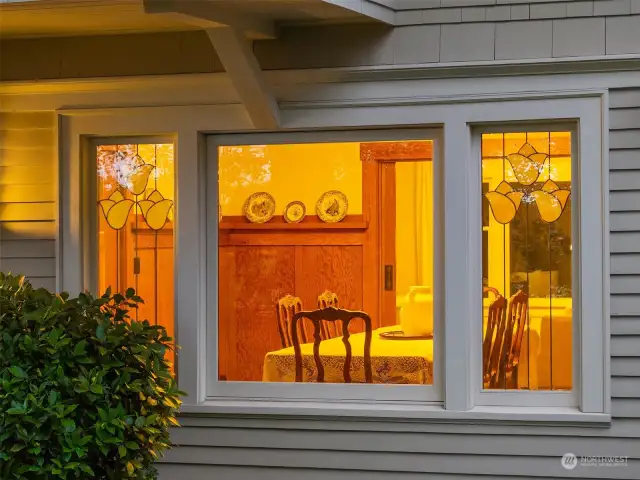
[
  {"x": 135, "y": 190},
  {"x": 527, "y": 261}
]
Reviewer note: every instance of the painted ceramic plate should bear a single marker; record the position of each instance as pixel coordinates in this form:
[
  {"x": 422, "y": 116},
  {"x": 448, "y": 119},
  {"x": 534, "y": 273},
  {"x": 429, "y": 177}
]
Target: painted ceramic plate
[
  {"x": 259, "y": 207},
  {"x": 332, "y": 206},
  {"x": 294, "y": 212}
]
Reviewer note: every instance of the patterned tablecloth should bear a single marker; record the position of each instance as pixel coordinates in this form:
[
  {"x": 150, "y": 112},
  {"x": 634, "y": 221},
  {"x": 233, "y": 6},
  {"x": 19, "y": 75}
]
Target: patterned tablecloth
[{"x": 392, "y": 361}]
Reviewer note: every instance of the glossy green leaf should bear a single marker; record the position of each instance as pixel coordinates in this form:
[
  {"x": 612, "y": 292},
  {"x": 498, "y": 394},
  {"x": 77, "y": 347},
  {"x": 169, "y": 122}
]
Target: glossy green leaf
[
  {"x": 69, "y": 425},
  {"x": 17, "y": 372},
  {"x": 86, "y": 394}
]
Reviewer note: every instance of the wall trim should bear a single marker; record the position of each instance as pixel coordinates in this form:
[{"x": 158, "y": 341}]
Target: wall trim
[{"x": 538, "y": 66}]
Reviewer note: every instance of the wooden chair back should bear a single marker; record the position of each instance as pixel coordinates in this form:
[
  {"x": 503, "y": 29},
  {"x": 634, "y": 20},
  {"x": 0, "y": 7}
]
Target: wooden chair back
[
  {"x": 492, "y": 343},
  {"x": 286, "y": 308},
  {"x": 329, "y": 329},
  {"x": 332, "y": 314},
  {"x": 516, "y": 321}
]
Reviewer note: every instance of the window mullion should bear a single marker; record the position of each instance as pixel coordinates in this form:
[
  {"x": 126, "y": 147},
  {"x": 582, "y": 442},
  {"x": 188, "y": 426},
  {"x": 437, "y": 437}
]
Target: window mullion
[{"x": 458, "y": 265}]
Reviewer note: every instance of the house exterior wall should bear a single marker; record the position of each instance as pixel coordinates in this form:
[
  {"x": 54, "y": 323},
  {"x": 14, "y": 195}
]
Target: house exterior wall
[
  {"x": 466, "y": 31},
  {"x": 238, "y": 448},
  {"x": 521, "y": 31},
  {"x": 28, "y": 195}
]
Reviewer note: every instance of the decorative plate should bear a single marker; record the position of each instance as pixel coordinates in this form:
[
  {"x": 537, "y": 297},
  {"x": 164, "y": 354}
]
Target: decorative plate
[
  {"x": 332, "y": 206},
  {"x": 399, "y": 335},
  {"x": 259, "y": 207},
  {"x": 294, "y": 212}
]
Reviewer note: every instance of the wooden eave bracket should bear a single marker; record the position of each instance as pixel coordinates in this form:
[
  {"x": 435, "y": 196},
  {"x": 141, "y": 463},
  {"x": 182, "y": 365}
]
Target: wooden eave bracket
[{"x": 227, "y": 32}]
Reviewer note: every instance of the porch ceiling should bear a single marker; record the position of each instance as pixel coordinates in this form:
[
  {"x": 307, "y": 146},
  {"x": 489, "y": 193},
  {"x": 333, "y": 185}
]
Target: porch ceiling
[{"x": 45, "y": 18}]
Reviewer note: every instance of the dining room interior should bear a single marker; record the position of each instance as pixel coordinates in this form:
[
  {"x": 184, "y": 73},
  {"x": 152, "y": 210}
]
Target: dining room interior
[{"x": 327, "y": 261}]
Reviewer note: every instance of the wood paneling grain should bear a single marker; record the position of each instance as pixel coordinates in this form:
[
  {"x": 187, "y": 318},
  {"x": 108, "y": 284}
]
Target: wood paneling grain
[
  {"x": 334, "y": 268},
  {"x": 251, "y": 281},
  {"x": 396, "y": 151},
  {"x": 290, "y": 238}
]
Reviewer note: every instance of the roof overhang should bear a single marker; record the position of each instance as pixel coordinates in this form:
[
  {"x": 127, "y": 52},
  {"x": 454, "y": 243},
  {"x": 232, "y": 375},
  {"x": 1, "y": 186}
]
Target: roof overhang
[{"x": 256, "y": 18}]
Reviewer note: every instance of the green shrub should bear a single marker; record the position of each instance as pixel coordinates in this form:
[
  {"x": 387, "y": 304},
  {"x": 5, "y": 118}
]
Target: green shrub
[{"x": 85, "y": 391}]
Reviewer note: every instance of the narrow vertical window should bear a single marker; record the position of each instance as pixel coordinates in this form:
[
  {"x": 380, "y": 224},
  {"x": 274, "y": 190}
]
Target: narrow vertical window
[
  {"x": 135, "y": 190},
  {"x": 527, "y": 261}
]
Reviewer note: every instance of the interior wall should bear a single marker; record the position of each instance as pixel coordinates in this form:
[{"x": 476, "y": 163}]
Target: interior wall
[
  {"x": 414, "y": 225},
  {"x": 317, "y": 168}
]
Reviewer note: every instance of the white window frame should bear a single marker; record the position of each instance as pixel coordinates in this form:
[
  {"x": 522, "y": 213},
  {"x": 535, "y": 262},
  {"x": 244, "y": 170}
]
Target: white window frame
[
  {"x": 90, "y": 198},
  {"x": 590, "y": 251},
  {"x": 460, "y": 302},
  {"x": 541, "y": 397},
  {"x": 219, "y": 390}
]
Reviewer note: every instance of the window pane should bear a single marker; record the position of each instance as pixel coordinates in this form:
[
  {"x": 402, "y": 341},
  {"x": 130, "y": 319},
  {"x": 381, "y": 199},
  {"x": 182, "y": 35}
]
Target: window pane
[
  {"x": 527, "y": 238},
  {"x": 135, "y": 226},
  {"x": 311, "y": 226}
]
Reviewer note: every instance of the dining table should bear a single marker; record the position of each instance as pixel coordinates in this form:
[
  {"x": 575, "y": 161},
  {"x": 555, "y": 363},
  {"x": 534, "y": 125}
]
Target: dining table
[{"x": 393, "y": 360}]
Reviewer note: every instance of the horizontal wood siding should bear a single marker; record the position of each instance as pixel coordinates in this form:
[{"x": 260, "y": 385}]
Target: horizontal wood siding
[
  {"x": 28, "y": 196},
  {"x": 236, "y": 448},
  {"x": 624, "y": 203}
]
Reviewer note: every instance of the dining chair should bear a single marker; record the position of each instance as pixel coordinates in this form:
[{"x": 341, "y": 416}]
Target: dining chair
[
  {"x": 492, "y": 344},
  {"x": 329, "y": 329},
  {"x": 332, "y": 314},
  {"x": 517, "y": 317},
  {"x": 286, "y": 308}
]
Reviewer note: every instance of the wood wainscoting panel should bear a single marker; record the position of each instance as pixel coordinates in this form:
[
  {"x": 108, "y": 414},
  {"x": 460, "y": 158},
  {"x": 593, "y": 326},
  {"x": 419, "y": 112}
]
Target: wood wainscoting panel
[
  {"x": 335, "y": 268},
  {"x": 251, "y": 280}
]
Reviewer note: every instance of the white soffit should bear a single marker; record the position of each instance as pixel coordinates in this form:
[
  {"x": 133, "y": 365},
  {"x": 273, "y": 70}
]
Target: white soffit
[{"x": 257, "y": 18}]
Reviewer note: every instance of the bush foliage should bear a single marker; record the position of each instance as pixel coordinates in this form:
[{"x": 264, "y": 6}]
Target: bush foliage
[{"x": 85, "y": 391}]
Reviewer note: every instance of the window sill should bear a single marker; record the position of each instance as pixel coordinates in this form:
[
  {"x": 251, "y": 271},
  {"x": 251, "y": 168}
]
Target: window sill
[{"x": 399, "y": 412}]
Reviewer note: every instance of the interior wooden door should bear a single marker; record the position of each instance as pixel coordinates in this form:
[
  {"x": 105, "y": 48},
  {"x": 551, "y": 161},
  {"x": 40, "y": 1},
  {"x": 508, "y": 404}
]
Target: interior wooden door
[
  {"x": 393, "y": 195},
  {"x": 388, "y": 243}
]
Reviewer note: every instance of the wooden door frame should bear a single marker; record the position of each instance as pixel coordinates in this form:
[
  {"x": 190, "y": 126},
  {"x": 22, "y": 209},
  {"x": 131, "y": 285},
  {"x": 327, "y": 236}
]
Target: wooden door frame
[{"x": 378, "y": 188}]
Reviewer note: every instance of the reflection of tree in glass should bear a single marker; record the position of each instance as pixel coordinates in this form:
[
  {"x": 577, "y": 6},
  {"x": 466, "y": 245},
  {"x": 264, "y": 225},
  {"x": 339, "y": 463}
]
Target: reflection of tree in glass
[
  {"x": 339, "y": 173},
  {"x": 252, "y": 167},
  {"x": 539, "y": 246}
]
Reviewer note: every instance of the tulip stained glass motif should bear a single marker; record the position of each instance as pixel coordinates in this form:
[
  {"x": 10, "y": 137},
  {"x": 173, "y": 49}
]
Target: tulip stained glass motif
[
  {"x": 504, "y": 202},
  {"x": 139, "y": 177},
  {"x": 116, "y": 209},
  {"x": 155, "y": 210},
  {"x": 133, "y": 175},
  {"x": 551, "y": 201},
  {"x": 527, "y": 164}
]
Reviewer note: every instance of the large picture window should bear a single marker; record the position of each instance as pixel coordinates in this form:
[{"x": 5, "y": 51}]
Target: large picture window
[{"x": 307, "y": 226}]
